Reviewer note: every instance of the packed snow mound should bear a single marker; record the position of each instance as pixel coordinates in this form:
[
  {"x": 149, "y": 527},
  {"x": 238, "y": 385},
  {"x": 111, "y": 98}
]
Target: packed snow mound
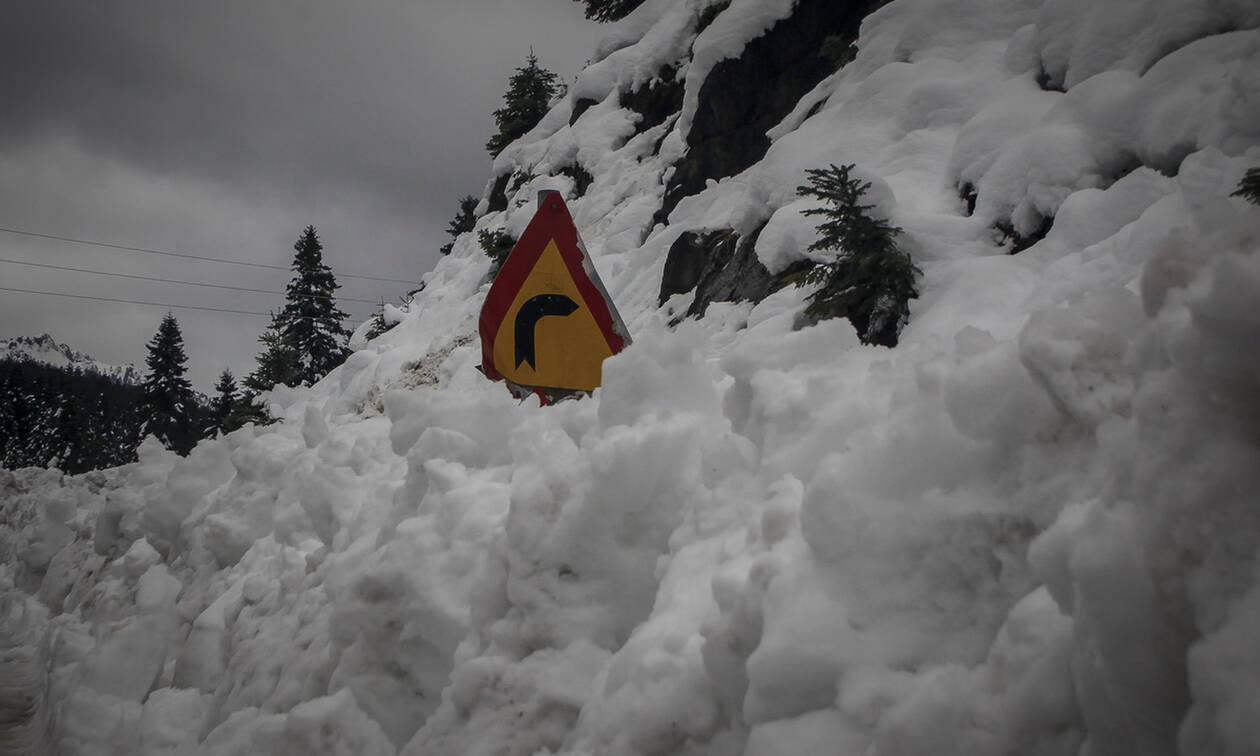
[{"x": 1029, "y": 528}]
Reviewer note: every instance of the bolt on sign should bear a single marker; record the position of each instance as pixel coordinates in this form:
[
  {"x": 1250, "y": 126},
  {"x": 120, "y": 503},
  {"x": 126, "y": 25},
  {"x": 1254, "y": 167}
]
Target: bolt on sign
[{"x": 548, "y": 324}]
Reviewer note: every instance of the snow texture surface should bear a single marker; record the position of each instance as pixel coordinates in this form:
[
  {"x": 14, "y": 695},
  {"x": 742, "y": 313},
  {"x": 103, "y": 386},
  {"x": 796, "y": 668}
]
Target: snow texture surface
[{"x": 1030, "y": 528}]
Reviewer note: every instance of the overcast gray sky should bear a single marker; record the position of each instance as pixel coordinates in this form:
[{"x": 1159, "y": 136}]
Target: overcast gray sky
[{"x": 221, "y": 129}]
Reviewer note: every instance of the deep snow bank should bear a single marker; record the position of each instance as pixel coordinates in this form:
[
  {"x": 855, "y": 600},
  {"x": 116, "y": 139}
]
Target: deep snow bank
[{"x": 1030, "y": 528}]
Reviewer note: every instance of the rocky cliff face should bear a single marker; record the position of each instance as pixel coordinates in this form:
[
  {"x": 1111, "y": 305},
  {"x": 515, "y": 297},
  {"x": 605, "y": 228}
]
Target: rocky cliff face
[
  {"x": 702, "y": 92},
  {"x": 741, "y": 99},
  {"x": 745, "y": 96}
]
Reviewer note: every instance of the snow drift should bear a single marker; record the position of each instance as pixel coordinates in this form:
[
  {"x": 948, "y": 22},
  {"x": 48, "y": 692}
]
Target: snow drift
[{"x": 1030, "y": 528}]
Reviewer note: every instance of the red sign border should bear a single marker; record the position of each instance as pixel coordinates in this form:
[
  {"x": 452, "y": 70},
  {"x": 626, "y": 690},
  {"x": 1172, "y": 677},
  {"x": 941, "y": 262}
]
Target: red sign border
[{"x": 551, "y": 221}]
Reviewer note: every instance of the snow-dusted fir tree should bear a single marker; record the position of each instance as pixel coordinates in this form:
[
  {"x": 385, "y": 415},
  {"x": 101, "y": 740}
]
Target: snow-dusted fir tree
[
  {"x": 871, "y": 280},
  {"x": 232, "y": 407},
  {"x": 530, "y": 91},
  {"x": 310, "y": 323},
  {"x": 278, "y": 362},
  {"x": 1249, "y": 187},
  {"x": 75, "y": 434},
  {"x": 226, "y": 397},
  {"x": 377, "y": 324},
  {"x": 224, "y": 401},
  {"x": 465, "y": 220},
  {"x": 168, "y": 403}
]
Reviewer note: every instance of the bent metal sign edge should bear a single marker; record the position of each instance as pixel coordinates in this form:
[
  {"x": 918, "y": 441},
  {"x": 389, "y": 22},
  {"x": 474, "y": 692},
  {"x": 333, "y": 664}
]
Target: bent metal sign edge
[{"x": 548, "y": 324}]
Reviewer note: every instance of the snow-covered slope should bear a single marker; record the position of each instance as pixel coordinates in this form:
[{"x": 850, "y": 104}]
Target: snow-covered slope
[
  {"x": 46, "y": 350},
  {"x": 1029, "y": 528}
]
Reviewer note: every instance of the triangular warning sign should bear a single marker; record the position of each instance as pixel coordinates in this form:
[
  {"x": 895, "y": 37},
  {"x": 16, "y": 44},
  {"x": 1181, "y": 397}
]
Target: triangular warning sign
[{"x": 548, "y": 324}]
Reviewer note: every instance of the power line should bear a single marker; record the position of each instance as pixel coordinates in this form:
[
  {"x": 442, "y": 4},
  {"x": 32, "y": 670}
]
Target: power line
[
  {"x": 133, "y": 301},
  {"x": 136, "y": 302},
  {"x": 182, "y": 255},
  {"x": 175, "y": 281}
]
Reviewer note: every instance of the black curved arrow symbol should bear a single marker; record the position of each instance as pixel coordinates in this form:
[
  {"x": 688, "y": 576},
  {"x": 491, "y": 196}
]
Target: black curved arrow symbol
[{"x": 535, "y": 309}]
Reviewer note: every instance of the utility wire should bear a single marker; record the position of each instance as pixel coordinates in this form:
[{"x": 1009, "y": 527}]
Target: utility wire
[
  {"x": 175, "y": 281},
  {"x": 136, "y": 302},
  {"x": 180, "y": 254}
]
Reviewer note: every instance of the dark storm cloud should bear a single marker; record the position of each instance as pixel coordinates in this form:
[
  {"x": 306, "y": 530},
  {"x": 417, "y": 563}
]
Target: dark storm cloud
[
  {"x": 223, "y": 128},
  {"x": 287, "y": 92}
]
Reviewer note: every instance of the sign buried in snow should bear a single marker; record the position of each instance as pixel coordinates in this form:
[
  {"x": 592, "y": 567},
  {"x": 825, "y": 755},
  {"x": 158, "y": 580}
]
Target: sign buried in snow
[{"x": 548, "y": 324}]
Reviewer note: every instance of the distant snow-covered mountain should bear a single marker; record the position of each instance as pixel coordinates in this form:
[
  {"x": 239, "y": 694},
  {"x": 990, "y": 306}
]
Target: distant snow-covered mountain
[{"x": 47, "y": 350}]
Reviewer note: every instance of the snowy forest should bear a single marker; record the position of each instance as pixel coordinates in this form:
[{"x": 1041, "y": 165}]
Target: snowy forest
[
  {"x": 62, "y": 409},
  {"x": 939, "y": 432}
]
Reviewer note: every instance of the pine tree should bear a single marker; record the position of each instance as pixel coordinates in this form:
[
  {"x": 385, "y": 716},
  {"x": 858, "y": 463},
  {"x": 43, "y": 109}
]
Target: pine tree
[
  {"x": 310, "y": 323},
  {"x": 464, "y": 221},
  {"x": 233, "y": 408},
  {"x": 1249, "y": 187},
  {"x": 529, "y": 94},
  {"x": 609, "y": 10},
  {"x": 118, "y": 429},
  {"x": 74, "y": 433},
  {"x": 278, "y": 363},
  {"x": 26, "y": 405},
  {"x": 871, "y": 281},
  {"x": 224, "y": 401},
  {"x": 74, "y": 419},
  {"x": 377, "y": 324},
  {"x": 497, "y": 244},
  {"x": 169, "y": 406},
  {"x": 221, "y": 405}
]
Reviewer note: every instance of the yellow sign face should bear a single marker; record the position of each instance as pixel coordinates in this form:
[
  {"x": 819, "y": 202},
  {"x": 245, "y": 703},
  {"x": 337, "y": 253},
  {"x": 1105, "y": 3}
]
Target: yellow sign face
[{"x": 548, "y": 337}]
